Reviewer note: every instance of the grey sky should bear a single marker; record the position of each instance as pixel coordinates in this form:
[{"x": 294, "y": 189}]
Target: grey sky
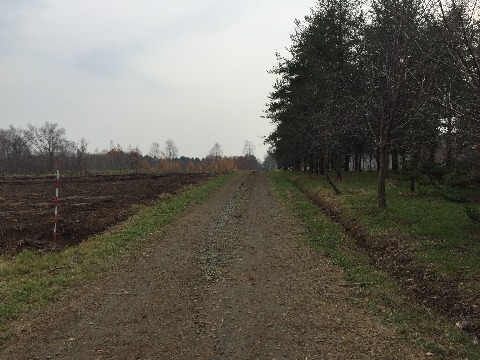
[{"x": 142, "y": 71}]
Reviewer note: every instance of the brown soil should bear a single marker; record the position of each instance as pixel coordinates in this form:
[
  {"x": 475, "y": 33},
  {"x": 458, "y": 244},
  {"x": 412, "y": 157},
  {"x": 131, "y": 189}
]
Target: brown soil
[
  {"x": 88, "y": 204},
  {"x": 233, "y": 279}
]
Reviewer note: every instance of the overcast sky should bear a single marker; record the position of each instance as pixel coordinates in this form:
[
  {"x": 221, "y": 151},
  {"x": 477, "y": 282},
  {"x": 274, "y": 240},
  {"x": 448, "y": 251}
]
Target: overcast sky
[{"x": 143, "y": 71}]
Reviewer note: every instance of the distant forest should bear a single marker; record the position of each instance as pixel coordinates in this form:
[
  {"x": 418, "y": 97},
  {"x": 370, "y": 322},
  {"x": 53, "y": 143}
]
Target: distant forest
[
  {"x": 384, "y": 85},
  {"x": 38, "y": 149}
]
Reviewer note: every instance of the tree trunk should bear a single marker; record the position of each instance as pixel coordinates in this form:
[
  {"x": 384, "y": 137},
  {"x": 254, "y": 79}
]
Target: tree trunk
[
  {"x": 297, "y": 165},
  {"x": 358, "y": 158},
  {"x": 377, "y": 158},
  {"x": 346, "y": 166},
  {"x": 321, "y": 164},
  {"x": 338, "y": 166},
  {"x": 333, "y": 185},
  {"x": 448, "y": 144},
  {"x": 395, "y": 160},
  {"x": 432, "y": 153},
  {"x": 338, "y": 174},
  {"x": 51, "y": 161},
  {"x": 382, "y": 177}
]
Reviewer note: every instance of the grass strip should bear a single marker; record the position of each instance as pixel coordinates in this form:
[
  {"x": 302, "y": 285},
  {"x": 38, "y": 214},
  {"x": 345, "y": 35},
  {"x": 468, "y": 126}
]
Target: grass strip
[
  {"x": 374, "y": 288},
  {"x": 443, "y": 236},
  {"x": 30, "y": 280}
]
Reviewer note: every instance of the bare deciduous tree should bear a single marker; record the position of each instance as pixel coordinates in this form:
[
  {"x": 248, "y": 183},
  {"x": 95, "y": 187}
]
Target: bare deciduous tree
[
  {"x": 248, "y": 148},
  {"x": 49, "y": 141},
  {"x": 81, "y": 151},
  {"x": 216, "y": 153},
  {"x": 15, "y": 147},
  {"x": 171, "y": 151},
  {"x": 155, "y": 151}
]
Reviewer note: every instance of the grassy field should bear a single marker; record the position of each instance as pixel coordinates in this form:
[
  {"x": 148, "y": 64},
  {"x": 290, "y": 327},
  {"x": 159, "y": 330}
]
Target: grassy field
[
  {"x": 30, "y": 280},
  {"x": 406, "y": 261}
]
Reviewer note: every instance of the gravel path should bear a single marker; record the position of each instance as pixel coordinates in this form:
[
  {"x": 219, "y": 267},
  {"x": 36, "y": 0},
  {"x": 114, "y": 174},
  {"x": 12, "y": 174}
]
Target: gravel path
[{"x": 233, "y": 279}]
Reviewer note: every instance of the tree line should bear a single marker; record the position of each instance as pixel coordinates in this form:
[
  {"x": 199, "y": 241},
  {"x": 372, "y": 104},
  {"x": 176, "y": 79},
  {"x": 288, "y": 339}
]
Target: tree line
[
  {"x": 385, "y": 85},
  {"x": 37, "y": 150}
]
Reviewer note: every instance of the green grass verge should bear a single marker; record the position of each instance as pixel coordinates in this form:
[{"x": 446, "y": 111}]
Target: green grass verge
[
  {"x": 444, "y": 237},
  {"x": 374, "y": 288},
  {"x": 30, "y": 280}
]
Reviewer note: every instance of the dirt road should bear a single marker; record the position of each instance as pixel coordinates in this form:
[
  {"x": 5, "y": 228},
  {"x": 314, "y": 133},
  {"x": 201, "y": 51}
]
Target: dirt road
[{"x": 234, "y": 279}]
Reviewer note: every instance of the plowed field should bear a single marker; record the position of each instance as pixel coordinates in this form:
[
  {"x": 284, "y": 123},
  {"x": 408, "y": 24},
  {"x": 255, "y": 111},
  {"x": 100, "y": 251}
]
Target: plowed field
[{"x": 88, "y": 205}]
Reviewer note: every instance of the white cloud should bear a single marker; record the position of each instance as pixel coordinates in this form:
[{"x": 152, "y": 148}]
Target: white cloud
[{"x": 141, "y": 71}]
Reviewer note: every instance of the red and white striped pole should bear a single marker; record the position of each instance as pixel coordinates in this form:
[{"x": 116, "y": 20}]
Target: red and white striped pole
[{"x": 56, "y": 203}]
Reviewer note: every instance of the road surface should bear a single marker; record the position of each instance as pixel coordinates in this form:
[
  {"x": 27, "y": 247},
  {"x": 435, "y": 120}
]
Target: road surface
[{"x": 233, "y": 279}]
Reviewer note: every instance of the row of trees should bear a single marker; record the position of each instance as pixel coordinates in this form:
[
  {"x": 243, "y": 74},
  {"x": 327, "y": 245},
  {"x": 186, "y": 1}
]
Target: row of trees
[
  {"x": 393, "y": 82},
  {"x": 215, "y": 161},
  {"x": 37, "y": 149}
]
